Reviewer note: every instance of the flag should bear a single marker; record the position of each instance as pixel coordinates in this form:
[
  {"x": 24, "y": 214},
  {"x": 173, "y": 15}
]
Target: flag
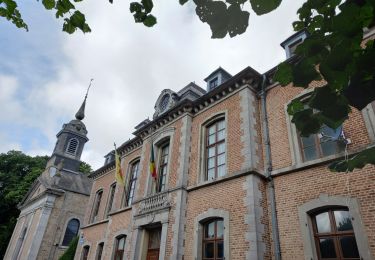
[
  {"x": 152, "y": 163},
  {"x": 119, "y": 174}
]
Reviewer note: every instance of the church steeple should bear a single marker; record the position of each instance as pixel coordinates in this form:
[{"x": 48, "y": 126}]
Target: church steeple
[
  {"x": 71, "y": 140},
  {"x": 80, "y": 115}
]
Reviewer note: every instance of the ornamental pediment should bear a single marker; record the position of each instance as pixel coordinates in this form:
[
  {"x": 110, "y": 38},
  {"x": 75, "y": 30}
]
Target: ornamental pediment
[{"x": 166, "y": 100}]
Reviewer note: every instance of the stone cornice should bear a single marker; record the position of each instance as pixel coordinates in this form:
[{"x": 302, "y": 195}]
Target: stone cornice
[{"x": 247, "y": 76}]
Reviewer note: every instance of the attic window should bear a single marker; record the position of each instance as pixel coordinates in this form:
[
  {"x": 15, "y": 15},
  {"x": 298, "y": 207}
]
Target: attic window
[
  {"x": 293, "y": 46},
  {"x": 72, "y": 146},
  {"x": 213, "y": 83}
]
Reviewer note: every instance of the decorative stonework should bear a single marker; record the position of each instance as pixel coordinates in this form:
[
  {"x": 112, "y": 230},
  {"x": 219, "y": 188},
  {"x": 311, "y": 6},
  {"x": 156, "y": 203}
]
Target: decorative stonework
[
  {"x": 154, "y": 203},
  {"x": 166, "y": 100}
]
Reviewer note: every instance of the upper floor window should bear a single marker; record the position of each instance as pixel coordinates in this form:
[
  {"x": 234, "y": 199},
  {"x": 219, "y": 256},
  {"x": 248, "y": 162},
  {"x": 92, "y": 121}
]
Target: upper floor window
[
  {"x": 322, "y": 144},
  {"x": 111, "y": 197},
  {"x": 85, "y": 253},
  {"x": 163, "y": 156},
  {"x": 215, "y": 150},
  {"x": 72, "y": 146},
  {"x": 71, "y": 231},
  {"x": 99, "y": 251},
  {"x": 95, "y": 211},
  {"x": 334, "y": 235},
  {"x": 213, "y": 83},
  {"x": 130, "y": 188},
  {"x": 213, "y": 240},
  {"x": 120, "y": 247}
]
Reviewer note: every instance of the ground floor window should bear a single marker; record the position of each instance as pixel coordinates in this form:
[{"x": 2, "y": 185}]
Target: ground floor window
[
  {"x": 153, "y": 247},
  {"x": 85, "y": 253},
  {"x": 213, "y": 240},
  {"x": 334, "y": 235},
  {"x": 120, "y": 247}
]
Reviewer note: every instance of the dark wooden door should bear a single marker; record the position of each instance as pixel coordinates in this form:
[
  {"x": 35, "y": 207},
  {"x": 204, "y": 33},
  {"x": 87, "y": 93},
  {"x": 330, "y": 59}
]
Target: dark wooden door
[{"x": 153, "y": 254}]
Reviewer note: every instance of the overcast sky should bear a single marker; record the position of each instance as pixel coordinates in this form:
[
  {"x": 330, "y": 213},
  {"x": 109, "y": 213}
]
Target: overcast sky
[{"x": 44, "y": 73}]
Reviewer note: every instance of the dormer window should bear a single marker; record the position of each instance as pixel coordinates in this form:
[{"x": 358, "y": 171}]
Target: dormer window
[
  {"x": 290, "y": 44},
  {"x": 213, "y": 83},
  {"x": 72, "y": 146}
]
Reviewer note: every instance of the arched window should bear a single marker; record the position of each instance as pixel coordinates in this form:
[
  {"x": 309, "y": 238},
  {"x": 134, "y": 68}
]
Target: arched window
[
  {"x": 72, "y": 146},
  {"x": 213, "y": 239},
  {"x": 95, "y": 211},
  {"x": 85, "y": 253},
  {"x": 334, "y": 235},
  {"x": 111, "y": 197},
  {"x": 215, "y": 150},
  {"x": 99, "y": 251},
  {"x": 130, "y": 188},
  {"x": 71, "y": 231},
  {"x": 119, "y": 247},
  {"x": 163, "y": 167}
]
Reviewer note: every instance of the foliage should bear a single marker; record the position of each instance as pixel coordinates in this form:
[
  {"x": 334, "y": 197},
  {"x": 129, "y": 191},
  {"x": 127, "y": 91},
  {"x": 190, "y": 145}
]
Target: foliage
[
  {"x": 223, "y": 16},
  {"x": 71, "y": 250},
  {"x": 334, "y": 52},
  {"x": 85, "y": 168},
  {"x": 17, "y": 172}
]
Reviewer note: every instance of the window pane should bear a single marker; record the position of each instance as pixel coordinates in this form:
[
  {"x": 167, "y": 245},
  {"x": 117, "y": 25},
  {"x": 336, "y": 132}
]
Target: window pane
[
  {"x": 308, "y": 141},
  {"x": 349, "y": 247},
  {"x": 220, "y": 249},
  {"x": 211, "y": 139},
  {"x": 221, "y": 159},
  {"x": 322, "y": 223},
  {"x": 221, "y": 135},
  {"x": 121, "y": 243},
  {"x": 327, "y": 248},
  {"x": 343, "y": 221},
  {"x": 221, "y": 148},
  {"x": 210, "y": 230},
  {"x": 221, "y": 170},
  {"x": 220, "y": 229},
  {"x": 221, "y": 125},
  {"x": 211, "y": 129},
  {"x": 310, "y": 153},
  {"x": 211, "y": 163},
  {"x": 208, "y": 251},
  {"x": 210, "y": 174},
  {"x": 329, "y": 148},
  {"x": 211, "y": 151}
]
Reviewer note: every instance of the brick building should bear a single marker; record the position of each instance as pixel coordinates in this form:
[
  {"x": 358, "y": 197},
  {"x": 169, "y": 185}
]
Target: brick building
[
  {"x": 235, "y": 180},
  {"x": 52, "y": 211}
]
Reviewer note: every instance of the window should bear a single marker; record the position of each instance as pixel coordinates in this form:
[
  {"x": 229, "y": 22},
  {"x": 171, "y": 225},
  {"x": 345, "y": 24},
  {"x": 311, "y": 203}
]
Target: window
[
  {"x": 99, "y": 251},
  {"x": 120, "y": 247},
  {"x": 334, "y": 235},
  {"x": 85, "y": 253},
  {"x": 213, "y": 240},
  {"x": 130, "y": 189},
  {"x": 293, "y": 46},
  {"x": 163, "y": 167},
  {"x": 110, "y": 198},
  {"x": 213, "y": 83},
  {"x": 71, "y": 231},
  {"x": 95, "y": 211},
  {"x": 320, "y": 145},
  {"x": 153, "y": 246},
  {"x": 72, "y": 146},
  {"x": 215, "y": 150}
]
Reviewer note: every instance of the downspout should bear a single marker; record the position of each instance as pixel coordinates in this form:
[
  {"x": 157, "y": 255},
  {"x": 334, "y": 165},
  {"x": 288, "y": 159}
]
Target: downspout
[{"x": 268, "y": 171}]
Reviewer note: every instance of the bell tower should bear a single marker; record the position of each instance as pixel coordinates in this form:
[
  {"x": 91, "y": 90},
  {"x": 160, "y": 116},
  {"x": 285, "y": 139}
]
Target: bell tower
[{"x": 70, "y": 142}]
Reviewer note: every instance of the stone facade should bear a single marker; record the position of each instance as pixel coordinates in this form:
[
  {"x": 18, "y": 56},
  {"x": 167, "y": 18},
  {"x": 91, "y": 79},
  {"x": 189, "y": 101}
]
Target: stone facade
[{"x": 241, "y": 198}]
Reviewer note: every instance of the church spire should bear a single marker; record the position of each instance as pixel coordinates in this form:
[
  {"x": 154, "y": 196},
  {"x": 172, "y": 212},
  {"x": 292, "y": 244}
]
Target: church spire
[{"x": 81, "y": 111}]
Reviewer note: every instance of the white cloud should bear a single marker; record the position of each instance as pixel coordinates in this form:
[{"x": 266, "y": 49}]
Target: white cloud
[{"x": 131, "y": 64}]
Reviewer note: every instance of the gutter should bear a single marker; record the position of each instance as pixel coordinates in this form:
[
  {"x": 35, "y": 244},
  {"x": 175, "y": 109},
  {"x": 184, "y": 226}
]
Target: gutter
[{"x": 268, "y": 171}]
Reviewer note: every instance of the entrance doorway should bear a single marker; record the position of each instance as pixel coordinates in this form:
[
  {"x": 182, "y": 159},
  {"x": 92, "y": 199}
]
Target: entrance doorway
[{"x": 153, "y": 248}]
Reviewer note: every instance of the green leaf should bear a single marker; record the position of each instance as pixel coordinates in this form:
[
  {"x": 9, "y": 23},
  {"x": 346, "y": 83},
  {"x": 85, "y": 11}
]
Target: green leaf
[
  {"x": 148, "y": 5},
  {"x": 283, "y": 74},
  {"x": 358, "y": 161},
  {"x": 49, "y": 4},
  {"x": 295, "y": 106},
  {"x": 68, "y": 26},
  {"x": 182, "y": 2},
  {"x": 306, "y": 122},
  {"x": 62, "y": 7},
  {"x": 236, "y": 2},
  {"x": 264, "y": 6},
  {"x": 135, "y": 7},
  {"x": 304, "y": 73},
  {"x": 150, "y": 20}
]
